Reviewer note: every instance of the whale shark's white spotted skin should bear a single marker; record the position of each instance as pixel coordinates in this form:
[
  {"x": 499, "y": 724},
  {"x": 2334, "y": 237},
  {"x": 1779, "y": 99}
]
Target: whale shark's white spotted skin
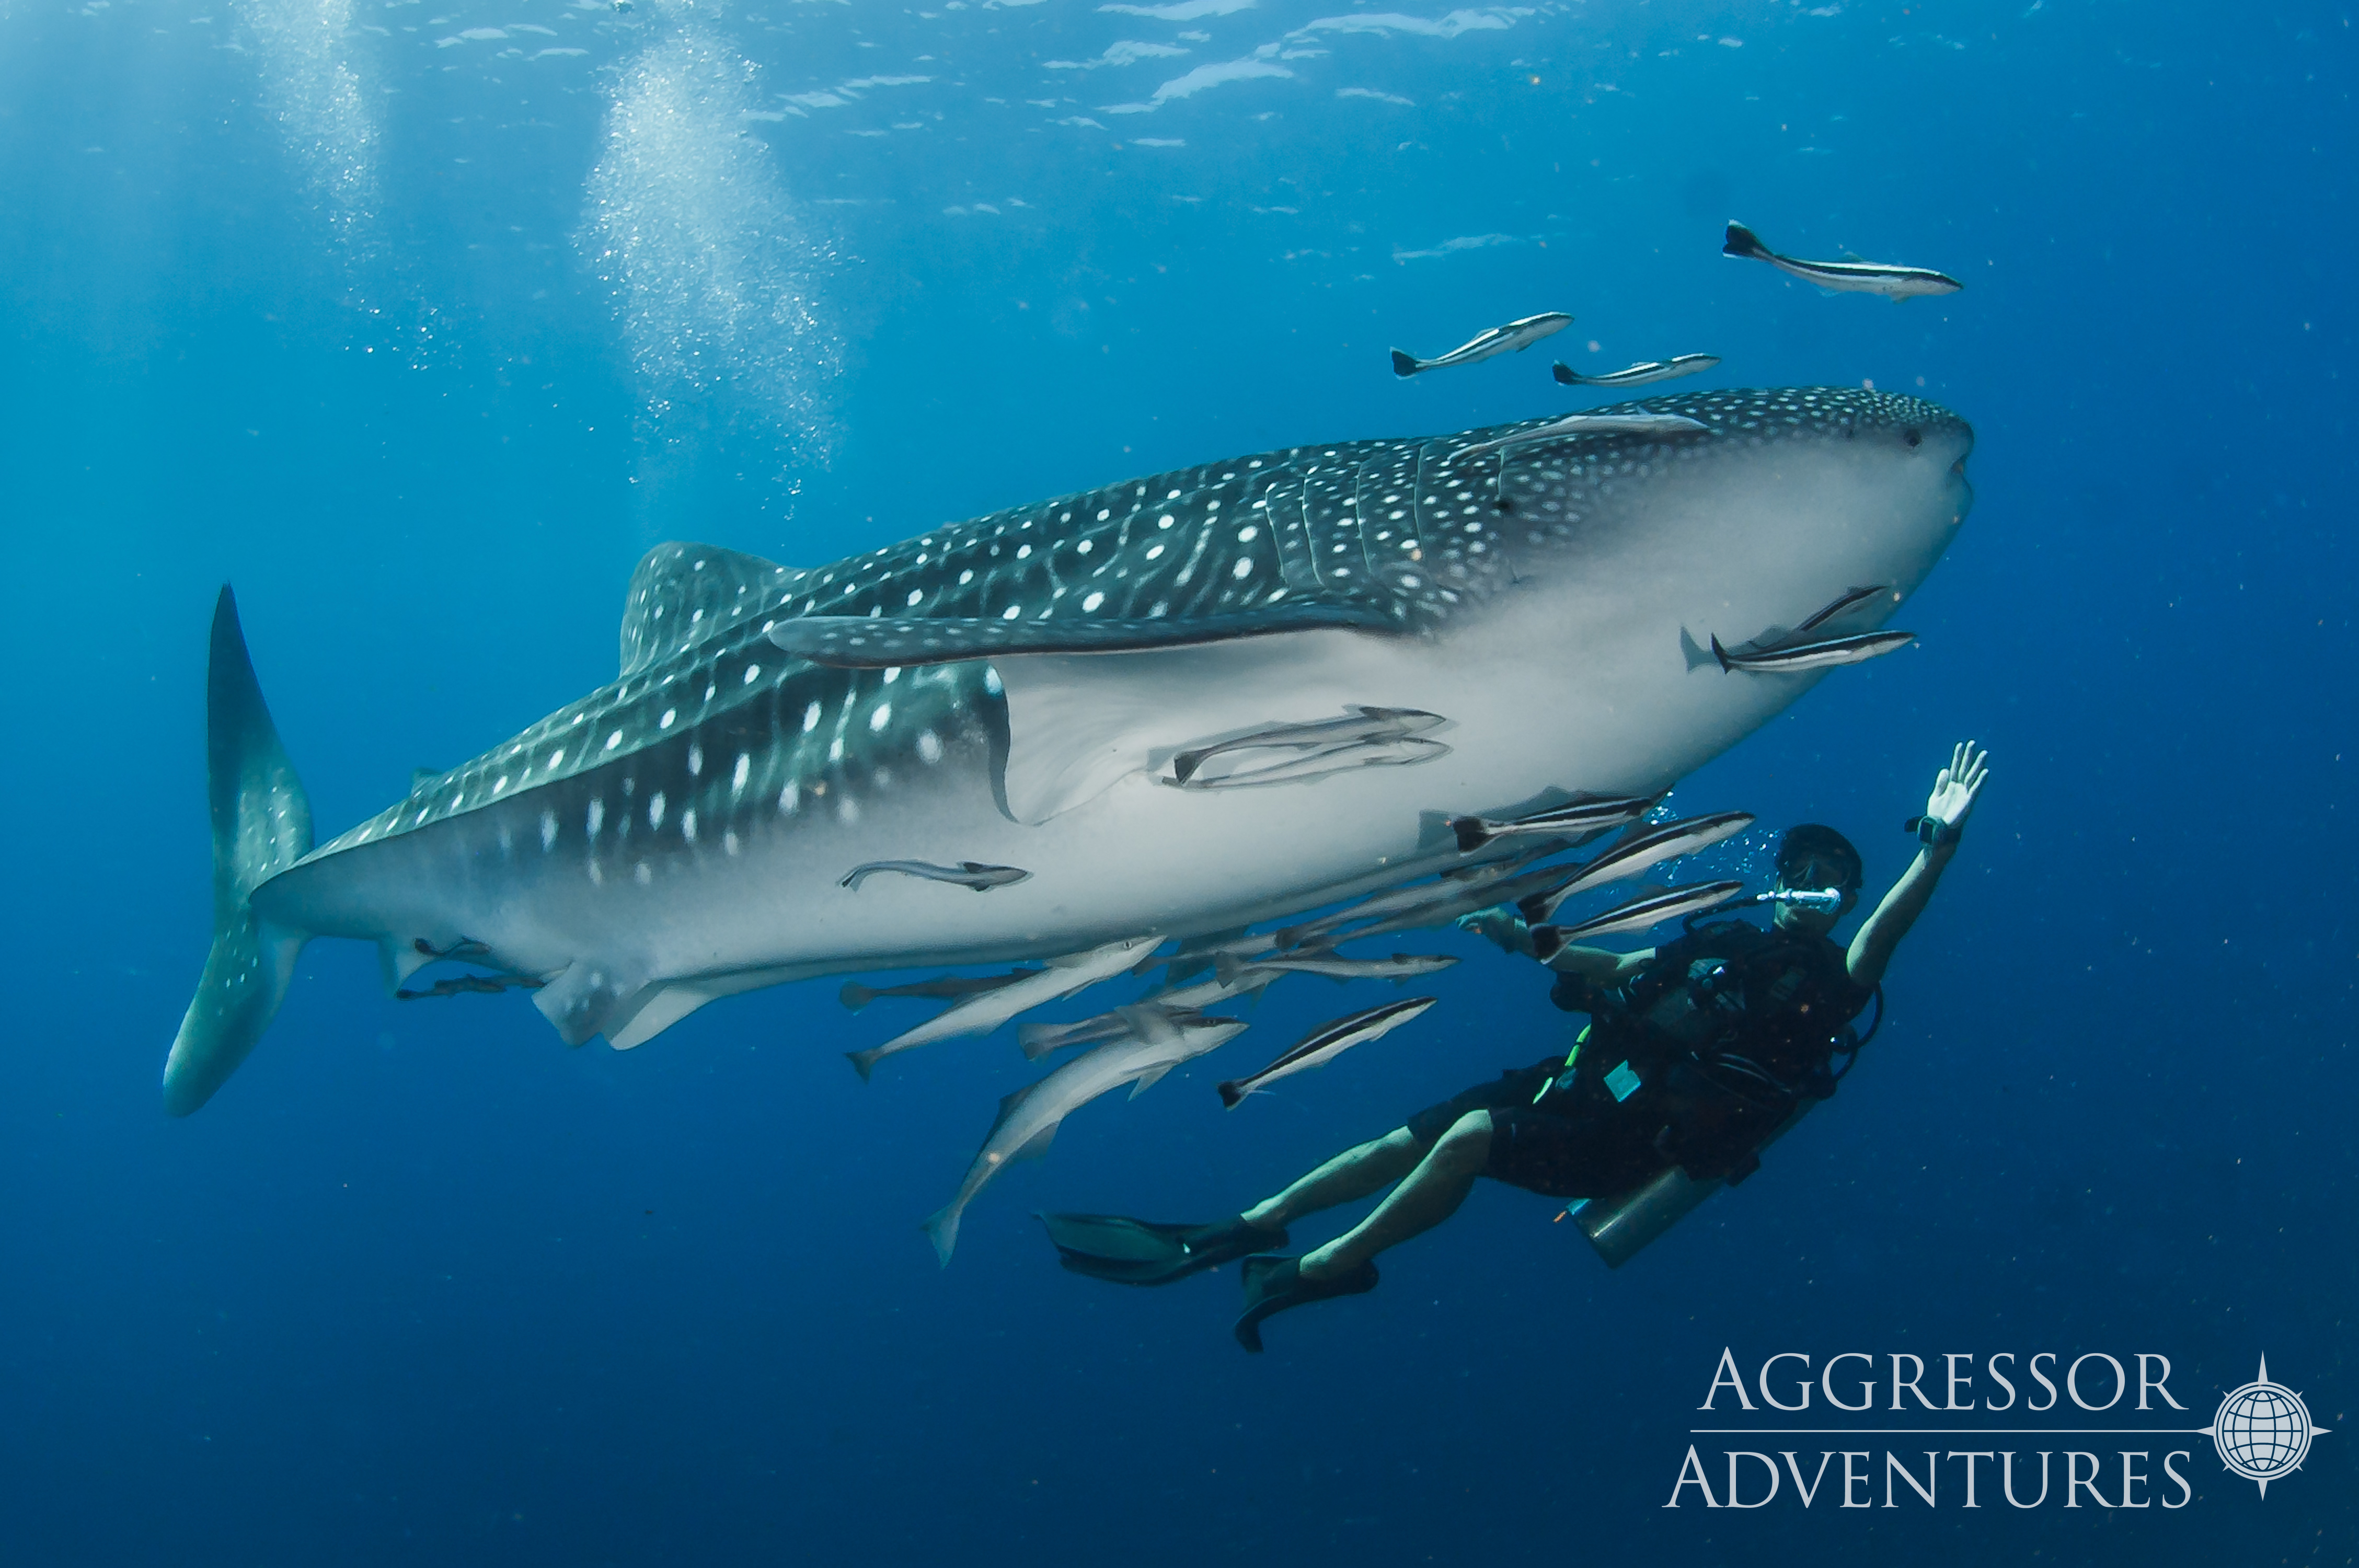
[{"x": 676, "y": 834}]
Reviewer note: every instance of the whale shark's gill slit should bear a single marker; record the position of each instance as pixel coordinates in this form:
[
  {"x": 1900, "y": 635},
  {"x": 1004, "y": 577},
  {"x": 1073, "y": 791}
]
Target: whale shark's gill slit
[
  {"x": 989, "y": 705},
  {"x": 1286, "y": 497}
]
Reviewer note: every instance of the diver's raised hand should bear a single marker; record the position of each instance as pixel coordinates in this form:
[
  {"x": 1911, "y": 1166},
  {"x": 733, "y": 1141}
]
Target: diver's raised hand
[
  {"x": 1499, "y": 925},
  {"x": 1958, "y": 785}
]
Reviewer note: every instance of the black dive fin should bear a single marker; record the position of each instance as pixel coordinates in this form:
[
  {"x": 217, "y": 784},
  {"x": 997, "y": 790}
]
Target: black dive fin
[
  {"x": 857, "y": 642},
  {"x": 1273, "y": 1285},
  {"x": 1140, "y": 1252}
]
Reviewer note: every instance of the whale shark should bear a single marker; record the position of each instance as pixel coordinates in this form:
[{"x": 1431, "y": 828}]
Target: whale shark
[{"x": 1012, "y": 690}]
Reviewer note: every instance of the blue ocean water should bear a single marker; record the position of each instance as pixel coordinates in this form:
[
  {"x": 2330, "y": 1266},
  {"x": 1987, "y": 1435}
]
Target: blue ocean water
[{"x": 419, "y": 325}]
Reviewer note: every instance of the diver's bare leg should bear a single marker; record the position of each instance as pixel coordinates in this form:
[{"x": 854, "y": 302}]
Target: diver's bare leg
[
  {"x": 1354, "y": 1173},
  {"x": 1429, "y": 1194}
]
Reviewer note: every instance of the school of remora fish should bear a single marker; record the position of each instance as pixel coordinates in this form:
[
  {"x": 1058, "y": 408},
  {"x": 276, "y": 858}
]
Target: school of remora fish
[{"x": 1181, "y": 709}]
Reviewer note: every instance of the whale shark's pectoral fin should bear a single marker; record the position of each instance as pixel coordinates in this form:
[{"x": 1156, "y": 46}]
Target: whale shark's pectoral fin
[
  {"x": 658, "y": 1012},
  {"x": 1076, "y": 724},
  {"x": 856, "y": 642}
]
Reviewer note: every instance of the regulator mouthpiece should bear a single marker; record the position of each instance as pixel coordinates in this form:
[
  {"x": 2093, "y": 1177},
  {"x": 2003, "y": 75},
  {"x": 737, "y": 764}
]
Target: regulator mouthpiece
[{"x": 1827, "y": 898}]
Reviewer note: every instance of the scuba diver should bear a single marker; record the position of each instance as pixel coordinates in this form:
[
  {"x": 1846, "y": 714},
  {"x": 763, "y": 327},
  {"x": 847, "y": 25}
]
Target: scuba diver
[{"x": 1698, "y": 1053}]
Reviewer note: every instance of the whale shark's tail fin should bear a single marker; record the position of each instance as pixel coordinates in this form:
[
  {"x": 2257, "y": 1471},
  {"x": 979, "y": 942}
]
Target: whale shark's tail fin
[{"x": 262, "y": 824}]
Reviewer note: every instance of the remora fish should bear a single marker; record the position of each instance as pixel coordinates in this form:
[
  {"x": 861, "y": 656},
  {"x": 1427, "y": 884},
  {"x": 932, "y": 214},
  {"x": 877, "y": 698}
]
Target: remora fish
[
  {"x": 855, "y": 995},
  {"x": 1636, "y": 854},
  {"x": 1144, "y": 1019},
  {"x": 1363, "y": 724},
  {"x": 674, "y": 836},
  {"x": 1325, "y": 1043},
  {"x": 1416, "y": 888},
  {"x": 1561, "y": 821},
  {"x": 1636, "y": 915},
  {"x": 1895, "y": 283},
  {"x": 1571, "y": 426},
  {"x": 1029, "y": 1117},
  {"x": 1637, "y": 375},
  {"x": 1393, "y": 751},
  {"x": 1518, "y": 335},
  {"x": 1399, "y": 967},
  {"x": 1842, "y": 605},
  {"x": 1446, "y": 906},
  {"x": 1794, "y": 657},
  {"x": 1247, "y": 981},
  {"x": 1197, "y": 954},
  {"x": 981, "y": 1013},
  {"x": 965, "y": 874}
]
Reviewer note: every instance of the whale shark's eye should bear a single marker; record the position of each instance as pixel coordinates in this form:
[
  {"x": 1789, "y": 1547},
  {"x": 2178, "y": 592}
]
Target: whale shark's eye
[{"x": 1914, "y": 438}]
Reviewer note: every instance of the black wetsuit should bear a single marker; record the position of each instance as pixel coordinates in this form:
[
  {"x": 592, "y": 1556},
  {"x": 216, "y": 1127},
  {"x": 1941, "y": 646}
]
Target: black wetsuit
[{"x": 1693, "y": 1061}]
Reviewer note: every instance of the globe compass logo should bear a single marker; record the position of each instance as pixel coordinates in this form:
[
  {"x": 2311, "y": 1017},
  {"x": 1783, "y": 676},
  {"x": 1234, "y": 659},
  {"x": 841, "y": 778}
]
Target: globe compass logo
[{"x": 2261, "y": 1430}]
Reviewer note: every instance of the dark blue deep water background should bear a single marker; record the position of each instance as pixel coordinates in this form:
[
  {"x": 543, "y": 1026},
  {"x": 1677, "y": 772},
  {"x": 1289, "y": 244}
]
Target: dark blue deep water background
[{"x": 422, "y": 342}]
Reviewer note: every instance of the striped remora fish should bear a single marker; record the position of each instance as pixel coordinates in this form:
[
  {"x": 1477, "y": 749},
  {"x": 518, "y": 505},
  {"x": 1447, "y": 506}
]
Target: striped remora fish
[
  {"x": 1637, "y": 375},
  {"x": 1636, "y": 854},
  {"x": 1564, "y": 822},
  {"x": 1029, "y": 1117},
  {"x": 1325, "y": 1043},
  {"x": 1796, "y": 658},
  {"x": 1516, "y": 335},
  {"x": 1651, "y": 910},
  {"x": 1895, "y": 283}
]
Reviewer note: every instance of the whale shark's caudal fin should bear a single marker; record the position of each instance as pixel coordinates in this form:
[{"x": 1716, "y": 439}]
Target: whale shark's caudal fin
[{"x": 262, "y": 824}]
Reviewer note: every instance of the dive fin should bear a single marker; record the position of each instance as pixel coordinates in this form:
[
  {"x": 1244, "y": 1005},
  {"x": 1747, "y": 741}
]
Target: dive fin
[
  {"x": 262, "y": 824},
  {"x": 1274, "y": 1284},
  {"x": 1140, "y": 1252},
  {"x": 857, "y": 642}
]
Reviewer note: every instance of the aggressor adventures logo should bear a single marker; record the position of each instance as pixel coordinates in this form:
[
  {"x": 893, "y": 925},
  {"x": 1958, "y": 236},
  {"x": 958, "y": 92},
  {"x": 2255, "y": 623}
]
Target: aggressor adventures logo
[{"x": 2262, "y": 1431}]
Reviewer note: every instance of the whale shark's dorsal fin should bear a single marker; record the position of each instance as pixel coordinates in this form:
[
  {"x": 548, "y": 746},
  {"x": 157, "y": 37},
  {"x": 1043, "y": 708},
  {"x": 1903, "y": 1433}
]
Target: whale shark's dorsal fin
[{"x": 683, "y": 594}]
